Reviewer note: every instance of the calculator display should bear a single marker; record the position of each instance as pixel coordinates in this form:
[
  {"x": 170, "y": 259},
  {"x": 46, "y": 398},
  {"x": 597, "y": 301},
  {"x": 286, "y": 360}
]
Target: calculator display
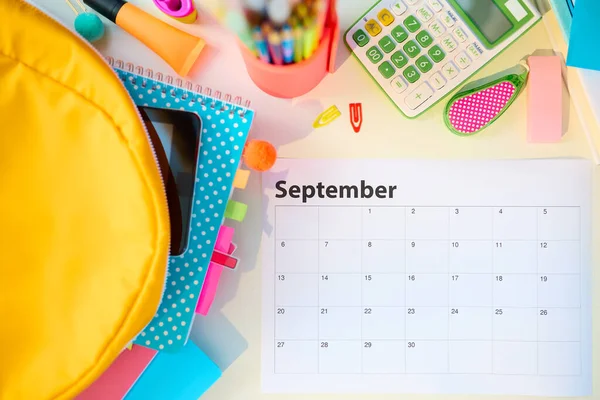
[{"x": 488, "y": 17}]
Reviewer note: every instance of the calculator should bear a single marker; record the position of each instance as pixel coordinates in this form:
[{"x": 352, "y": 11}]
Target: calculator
[{"x": 418, "y": 51}]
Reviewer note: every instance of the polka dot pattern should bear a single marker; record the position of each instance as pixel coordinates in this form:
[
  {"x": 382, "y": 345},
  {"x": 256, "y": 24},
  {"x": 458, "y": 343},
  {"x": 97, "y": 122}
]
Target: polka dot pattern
[
  {"x": 217, "y": 165},
  {"x": 472, "y": 113}
]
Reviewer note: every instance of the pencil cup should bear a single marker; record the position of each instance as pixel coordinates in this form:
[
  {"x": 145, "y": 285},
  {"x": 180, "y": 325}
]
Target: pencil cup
[{"x": 287, "y": 81}]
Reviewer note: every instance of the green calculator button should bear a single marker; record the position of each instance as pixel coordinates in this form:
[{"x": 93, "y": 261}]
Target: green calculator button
[
  {"x": 374, "y": 54},
  {"x": 399, "y": 59},
  {"x": 424, "y": 64},
  {"x": 412, "y": 49},
  {"x": 437, "y": 54},
  {"x": 411, "y": 74},
  {"x": 412, "y": 24},
  {"x": 387, "y": 44},
  {"x": 399, "y": 34},
  {"x": 386, "y": 69},
  {"x": 424, "y": 38},
  {"x": 360, "y": 37}
]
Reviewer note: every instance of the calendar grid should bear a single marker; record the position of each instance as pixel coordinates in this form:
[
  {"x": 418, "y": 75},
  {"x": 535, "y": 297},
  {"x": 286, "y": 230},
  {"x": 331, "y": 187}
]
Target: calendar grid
[{"x": 351, "y": 280}]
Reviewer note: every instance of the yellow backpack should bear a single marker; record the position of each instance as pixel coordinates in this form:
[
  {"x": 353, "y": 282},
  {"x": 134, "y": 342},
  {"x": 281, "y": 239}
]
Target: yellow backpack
[{"x": 84, "y": 223}]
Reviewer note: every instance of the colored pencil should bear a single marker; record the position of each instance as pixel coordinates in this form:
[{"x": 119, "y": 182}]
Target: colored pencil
[
  {"x": 275, "y": 50},
  {"x": 298, "y": 44},
  {"x": 287, "y": 45},
  {"x": 310, "y": 32},
  {"x": 261, "y": 45}
]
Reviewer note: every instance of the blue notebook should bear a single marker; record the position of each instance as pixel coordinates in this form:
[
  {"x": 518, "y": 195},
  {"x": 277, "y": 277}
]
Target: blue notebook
[{"x": 225, "y": 126}]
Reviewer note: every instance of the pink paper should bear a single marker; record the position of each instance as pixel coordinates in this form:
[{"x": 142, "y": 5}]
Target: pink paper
[
  {"x": 544, "y": 99},
  {"x": 120, "y": 376}
]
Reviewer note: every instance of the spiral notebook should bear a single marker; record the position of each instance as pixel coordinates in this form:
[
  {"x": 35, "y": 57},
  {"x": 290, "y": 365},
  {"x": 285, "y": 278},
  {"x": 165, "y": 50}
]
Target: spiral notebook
[{"x": 225, "y": 126}]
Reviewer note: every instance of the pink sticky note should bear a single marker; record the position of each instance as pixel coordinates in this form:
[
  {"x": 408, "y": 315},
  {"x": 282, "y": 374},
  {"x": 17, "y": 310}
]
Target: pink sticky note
[
  {"x": 213, "y": 274},
  {"x": 544, "y": 99},
  {"x": 116, "y": 381}
]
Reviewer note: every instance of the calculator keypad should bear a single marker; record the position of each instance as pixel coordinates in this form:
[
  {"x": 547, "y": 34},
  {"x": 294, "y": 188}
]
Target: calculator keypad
[{"x": 417, "y": 46}]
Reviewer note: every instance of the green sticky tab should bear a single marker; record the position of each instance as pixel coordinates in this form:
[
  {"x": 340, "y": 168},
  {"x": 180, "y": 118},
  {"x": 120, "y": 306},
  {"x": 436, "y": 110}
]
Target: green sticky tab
[{"x": 236, "y": 210}]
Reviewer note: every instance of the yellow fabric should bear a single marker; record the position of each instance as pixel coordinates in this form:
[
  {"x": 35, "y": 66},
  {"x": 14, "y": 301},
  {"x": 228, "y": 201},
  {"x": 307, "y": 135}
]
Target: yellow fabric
[{"x": 83, "y": 215}]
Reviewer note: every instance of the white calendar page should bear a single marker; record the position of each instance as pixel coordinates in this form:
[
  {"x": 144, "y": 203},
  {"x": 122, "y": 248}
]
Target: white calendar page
[{"x": 427, "y": 277}]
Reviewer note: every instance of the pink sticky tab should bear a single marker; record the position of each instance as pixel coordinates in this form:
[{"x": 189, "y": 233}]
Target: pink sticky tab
[{"x": 544, "y": 99}]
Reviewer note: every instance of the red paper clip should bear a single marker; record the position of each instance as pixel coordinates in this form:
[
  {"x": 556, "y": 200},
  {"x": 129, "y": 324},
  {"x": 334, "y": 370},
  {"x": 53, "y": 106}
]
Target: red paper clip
[{"x": 356, "y": 116}]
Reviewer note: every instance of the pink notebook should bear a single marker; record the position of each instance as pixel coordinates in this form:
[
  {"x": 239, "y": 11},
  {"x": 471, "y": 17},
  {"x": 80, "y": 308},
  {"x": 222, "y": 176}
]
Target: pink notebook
[{"x": 120, "y": 376}]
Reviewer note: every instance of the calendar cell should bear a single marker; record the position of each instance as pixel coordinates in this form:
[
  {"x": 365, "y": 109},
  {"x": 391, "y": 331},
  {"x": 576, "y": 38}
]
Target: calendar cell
[
  {"x": 383, "y": 323},
  {"x": 301, "y": 256},
  {"x": 559, "y": 324},
  {"x": 515, "y": 324},
  {"x": 385, "y": 357},
  {"x": 383, "y": 222},
  {"x": 471, "y": 290},
  {"x": 296, "y": 357},
  {"x": 559, "y": 257},
  {"x": 339, "y": 290},
  {"x": 511, "y": 290},
  {"x": 427, "y": 323},
  {"x": 515, "y": 358},
  {"x": 427, "y": 256},
  {"x": 470, "y": 256},
  {"x": 340, "y": 223},
  {"x": 512, "y": 257},
  {"x": 383, "y": 256},
  {"x": 296, "y": 290},
  {"x": 383, "y": 290},
  {"x": 515, "y": 223},
  {"x": 471, "y": 223},
  {"x": 339, "y": 256},
  {"x": 294, "y": 323},
  {"x": 340, "y": 357},
  {"x": 427, "y": 290},
  {"x": 427, "y": 222},
  {"x": 341, "y": 323},
  {"x": 297, "y": 223},
  {"x": 471, "y": 323},
  {"x": 559, "y": 223},
  {"x": 471, "y": 357},
  {"x": 559, "y": 291},
  {"x": 559, "y": 358},
  {"x": 426, "y": 357}
]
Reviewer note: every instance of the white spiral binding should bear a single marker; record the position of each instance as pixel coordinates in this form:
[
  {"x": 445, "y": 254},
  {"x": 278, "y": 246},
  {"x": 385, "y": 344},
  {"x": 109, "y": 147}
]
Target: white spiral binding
[{"x": 185, "y": 90}]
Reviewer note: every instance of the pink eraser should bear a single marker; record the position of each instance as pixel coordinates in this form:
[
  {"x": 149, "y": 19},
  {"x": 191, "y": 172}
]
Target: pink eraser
[{"x": 544, "y": 99}]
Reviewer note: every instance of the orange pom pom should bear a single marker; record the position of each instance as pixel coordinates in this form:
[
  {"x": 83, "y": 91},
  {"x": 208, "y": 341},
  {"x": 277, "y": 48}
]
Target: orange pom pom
[{"x": 259, "y": 155}]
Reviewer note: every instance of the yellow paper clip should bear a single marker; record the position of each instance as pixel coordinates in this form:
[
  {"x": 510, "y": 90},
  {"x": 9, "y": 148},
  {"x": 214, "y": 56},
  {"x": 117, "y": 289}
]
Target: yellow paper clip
[{"x": 327, "y": 117}]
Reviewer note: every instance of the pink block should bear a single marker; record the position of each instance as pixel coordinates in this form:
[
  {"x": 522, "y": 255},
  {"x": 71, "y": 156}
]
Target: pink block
[
  {"x": 213, "y": 274},
  {"x": 544, "y": 99},
  {"x": 116, "y": 381}
]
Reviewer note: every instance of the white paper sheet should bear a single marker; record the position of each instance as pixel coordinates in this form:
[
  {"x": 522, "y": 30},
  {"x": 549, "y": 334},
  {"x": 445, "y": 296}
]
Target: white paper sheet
[{"x": 404, "y": 276}]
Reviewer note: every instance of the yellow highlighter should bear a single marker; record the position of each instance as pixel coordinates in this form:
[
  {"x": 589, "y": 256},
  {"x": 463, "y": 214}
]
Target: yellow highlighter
[{"x": 327, "y": 117}]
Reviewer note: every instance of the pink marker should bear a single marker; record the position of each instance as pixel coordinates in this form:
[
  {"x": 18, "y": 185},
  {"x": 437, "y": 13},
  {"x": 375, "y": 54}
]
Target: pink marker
[{"x": 213, "y": 274}]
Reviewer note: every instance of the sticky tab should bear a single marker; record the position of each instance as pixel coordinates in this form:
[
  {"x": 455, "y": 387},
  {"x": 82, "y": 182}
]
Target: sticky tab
[
  {"x": 224, "y": 259},
  {"x": 544, "y": 99},
  {"x": 236, "y": 210},
  {"x": 241, "y": 179}
]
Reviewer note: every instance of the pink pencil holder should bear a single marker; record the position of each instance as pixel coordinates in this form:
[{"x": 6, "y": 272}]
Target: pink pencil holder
[{"x": 287, "y": 81}]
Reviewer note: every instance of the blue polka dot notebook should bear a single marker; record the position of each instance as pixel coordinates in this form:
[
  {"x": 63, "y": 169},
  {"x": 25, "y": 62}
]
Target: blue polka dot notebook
[{"x": 225, "y": 126}]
